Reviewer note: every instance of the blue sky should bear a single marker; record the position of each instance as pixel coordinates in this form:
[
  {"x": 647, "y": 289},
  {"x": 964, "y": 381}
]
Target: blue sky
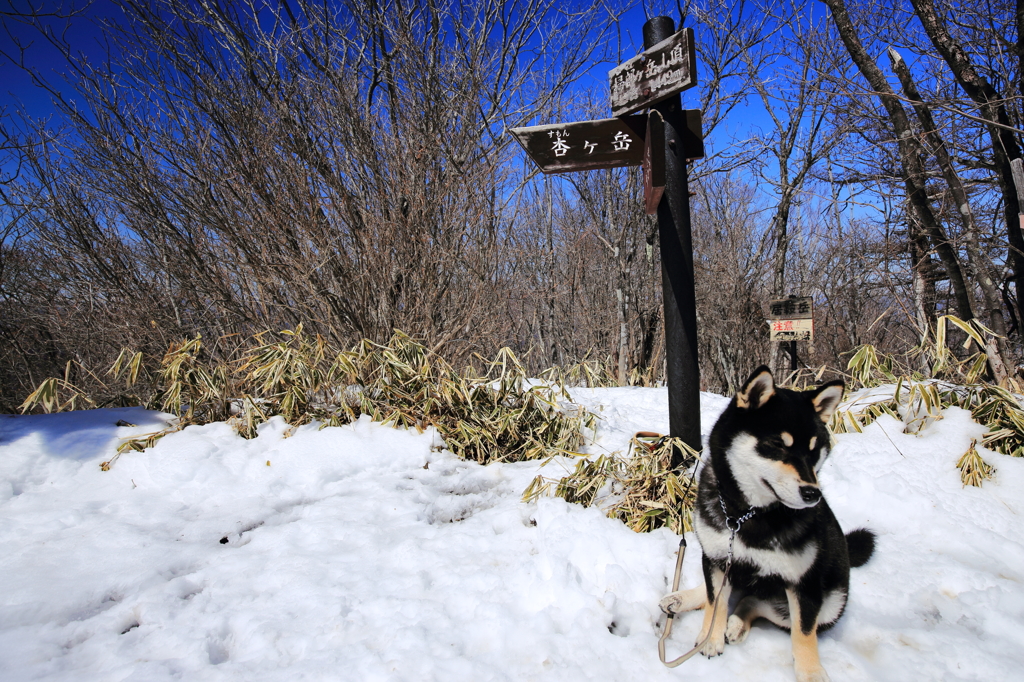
[
  {"x": 83, "y": 36},
  {"x": 80, "y": 33}
]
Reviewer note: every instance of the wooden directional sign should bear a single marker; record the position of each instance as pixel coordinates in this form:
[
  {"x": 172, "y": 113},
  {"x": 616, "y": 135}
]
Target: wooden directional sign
[
  {"x": 585, "y": 145},
  {"x": 667, "y": 67},
  {"x": 659, "y": 72},
  {"x": 654, "y": 162},
  {"x": 606, "y": 143}
]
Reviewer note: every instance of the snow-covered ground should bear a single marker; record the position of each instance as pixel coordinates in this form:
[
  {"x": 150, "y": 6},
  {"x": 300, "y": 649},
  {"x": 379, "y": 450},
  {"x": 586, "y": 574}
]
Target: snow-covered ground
[{"x": 366, "y": 553}]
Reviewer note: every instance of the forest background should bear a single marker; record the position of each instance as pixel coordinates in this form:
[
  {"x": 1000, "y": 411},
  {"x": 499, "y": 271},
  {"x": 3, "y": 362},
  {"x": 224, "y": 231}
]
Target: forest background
[{"x": 226, "y": 168}]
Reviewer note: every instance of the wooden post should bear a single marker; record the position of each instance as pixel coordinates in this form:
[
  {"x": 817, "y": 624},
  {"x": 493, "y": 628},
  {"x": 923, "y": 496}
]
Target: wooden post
[{"x": 682, "y": 369}]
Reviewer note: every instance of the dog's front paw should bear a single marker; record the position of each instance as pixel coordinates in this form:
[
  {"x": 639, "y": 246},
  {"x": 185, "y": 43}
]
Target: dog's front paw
[
  {"x": 737, "y": 630},
  {"x": 813, "y": 675},
  {"x": 684, "y": 600},
  {"x": 715, "y": 645}
]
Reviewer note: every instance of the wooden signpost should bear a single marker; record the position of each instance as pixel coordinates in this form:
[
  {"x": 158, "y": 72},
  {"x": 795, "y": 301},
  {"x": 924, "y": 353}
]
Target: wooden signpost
[{"x": 662, "y": 141}]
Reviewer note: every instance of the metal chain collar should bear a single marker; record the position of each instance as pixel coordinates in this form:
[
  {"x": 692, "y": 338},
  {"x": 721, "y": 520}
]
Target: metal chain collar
[{"x": 729, "y": 521}]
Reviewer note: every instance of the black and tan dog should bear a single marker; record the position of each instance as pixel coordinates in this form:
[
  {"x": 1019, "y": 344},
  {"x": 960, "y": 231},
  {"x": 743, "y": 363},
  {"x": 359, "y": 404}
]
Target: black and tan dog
[{"x": 791, "y": 561}]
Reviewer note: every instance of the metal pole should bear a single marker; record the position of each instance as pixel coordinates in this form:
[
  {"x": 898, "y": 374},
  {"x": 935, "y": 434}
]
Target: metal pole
[{"x": 683, "y": 372}]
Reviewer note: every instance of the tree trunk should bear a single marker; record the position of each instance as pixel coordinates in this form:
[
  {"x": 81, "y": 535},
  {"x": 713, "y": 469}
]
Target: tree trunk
[
  {"x": 924, "y": 286},
  {"x": 909, "y": 154},
  {"x": 993, "y": 109},
  {"x": 976, "y": 261}
]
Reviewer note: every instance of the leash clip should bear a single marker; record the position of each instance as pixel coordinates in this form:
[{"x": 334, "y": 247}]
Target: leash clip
[{"x": 738, "y": 521}]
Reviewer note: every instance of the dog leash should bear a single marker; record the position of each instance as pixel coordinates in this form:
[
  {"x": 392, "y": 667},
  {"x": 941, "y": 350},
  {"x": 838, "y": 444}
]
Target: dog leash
[{"x": 675, "y": 587}]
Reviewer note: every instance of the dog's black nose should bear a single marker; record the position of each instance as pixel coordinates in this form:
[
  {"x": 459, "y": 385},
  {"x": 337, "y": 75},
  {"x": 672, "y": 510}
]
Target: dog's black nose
[{"x": 810, "y": 494}]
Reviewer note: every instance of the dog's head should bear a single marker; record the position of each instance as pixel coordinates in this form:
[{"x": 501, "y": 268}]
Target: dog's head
[{"x": 775, "y": 440}]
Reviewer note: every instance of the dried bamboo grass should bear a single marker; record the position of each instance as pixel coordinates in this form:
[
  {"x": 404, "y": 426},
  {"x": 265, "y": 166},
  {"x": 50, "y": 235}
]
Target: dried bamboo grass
[
  {"x": 954, "y": 382},
  {"x": 973, "y": 469},
  {"x": 57, "y": 394},
  {"x": 500, "y": 415},
  {"x": 640, "y": 489}
]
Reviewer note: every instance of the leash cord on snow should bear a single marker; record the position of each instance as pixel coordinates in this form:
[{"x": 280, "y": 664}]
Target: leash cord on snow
[{"x": 714, "y": 604}]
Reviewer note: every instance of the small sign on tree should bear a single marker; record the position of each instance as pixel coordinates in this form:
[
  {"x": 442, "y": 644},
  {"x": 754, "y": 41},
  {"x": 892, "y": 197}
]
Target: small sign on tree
[{"x": 792, "y": 319}]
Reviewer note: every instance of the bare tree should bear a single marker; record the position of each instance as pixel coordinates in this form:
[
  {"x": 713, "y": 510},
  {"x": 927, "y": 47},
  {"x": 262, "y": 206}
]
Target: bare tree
[
  {"x": 977, "y": 261},
  {"x": 993, "y": 110},
  {"x": 923, "y": 217},
  {"x": 244, "y": 166}
]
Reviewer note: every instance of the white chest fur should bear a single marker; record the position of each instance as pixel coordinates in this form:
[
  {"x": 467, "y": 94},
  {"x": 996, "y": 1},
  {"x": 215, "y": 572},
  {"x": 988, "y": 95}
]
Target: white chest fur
[{"x": 790, "y": 566}]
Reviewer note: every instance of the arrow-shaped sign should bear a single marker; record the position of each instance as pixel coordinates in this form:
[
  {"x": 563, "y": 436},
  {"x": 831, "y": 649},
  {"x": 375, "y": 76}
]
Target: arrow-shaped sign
[
  {"x": 585, "y": 145},
  {"x": 605, "y": 143}
]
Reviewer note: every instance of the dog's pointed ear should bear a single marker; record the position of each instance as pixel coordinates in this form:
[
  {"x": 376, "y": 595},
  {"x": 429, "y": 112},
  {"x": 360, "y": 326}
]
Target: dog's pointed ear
[
  {"x": 826, "y": 397},
  {"x": 758, "y": 389}
]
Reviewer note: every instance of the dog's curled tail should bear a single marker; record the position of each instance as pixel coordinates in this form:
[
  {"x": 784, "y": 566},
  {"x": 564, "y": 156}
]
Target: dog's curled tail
[{"x": 861, "y": 545}]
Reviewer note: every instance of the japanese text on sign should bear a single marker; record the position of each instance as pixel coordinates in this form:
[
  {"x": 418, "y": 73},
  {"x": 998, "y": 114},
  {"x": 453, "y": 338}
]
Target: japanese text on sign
[
  {"x": 658, "y": 73},
  {"x": 584, "y": 145},
  {"x": 793, "y": 308},
  {"x": 792, "y": 330}
]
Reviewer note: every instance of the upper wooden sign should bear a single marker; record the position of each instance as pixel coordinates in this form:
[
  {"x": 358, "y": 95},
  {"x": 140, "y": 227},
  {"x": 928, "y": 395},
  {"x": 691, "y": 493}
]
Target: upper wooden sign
[
  {"x": 792, "y": 308},
  {"x": 662, "y": 71},
  {"x": 585, "y": 145}
]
